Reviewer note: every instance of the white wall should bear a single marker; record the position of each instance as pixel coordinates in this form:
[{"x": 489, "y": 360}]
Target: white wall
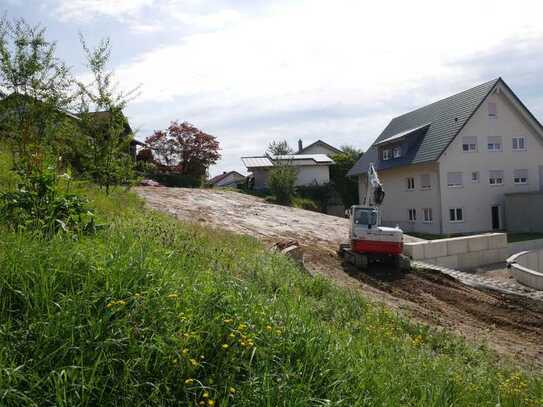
[
  {"x": 319, "y": 174},
  {"x": 306, "y": 175},
  {"x": 398, "y": 199},
  {"x": 476, "y": 199}
]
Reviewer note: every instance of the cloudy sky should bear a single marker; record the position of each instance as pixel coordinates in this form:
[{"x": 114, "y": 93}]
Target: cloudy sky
[{"x": 252, "y": 71}]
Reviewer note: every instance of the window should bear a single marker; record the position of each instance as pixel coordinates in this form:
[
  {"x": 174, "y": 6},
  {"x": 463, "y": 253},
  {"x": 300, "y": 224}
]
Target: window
[
  {"x": 495, "y": 177},
  {"x": 386, "y": 154},
  {"x": 456, "y": 215},
  {"x": 454, "y": 179},
  {"x": 425, "y": 182},
  {"x": 397, "y": 152},
  {"x": 494, "y": 143},
  {"x": 475, "y": 177},
  {"x": 427, "y": 212},
  {"x": 492, "y": 110},
  {"x": 410, "y": 183},
  {"x": 520, "y": 176},
  {"x": 469, "y": 144},
  {"x": 412, "y": 215},
  {"x": 519, "y": 144}
]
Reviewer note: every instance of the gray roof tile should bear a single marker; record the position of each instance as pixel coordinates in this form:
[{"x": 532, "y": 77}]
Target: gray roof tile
[{"x": 447, "y": 117}]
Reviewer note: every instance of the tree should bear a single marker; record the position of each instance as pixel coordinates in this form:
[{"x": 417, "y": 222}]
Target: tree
[
  {"x": 279, "y": 148},
  {"x": 184, "y": 149},
  {"x": 103, "y": 123},
  {"x": 281, "y": 181},
  {"x": 38, "y": 91},
  {"x": 346, "y": 187}
]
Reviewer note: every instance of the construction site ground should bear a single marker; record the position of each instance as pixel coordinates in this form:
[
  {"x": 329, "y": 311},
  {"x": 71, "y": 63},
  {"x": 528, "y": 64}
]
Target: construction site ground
[{"x": 510, "y": 324}]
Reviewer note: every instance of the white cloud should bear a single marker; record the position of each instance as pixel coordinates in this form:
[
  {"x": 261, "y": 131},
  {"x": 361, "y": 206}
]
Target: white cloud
[
  {"x": 89, "y": 9},
  {"x": 300, "y": 56}
]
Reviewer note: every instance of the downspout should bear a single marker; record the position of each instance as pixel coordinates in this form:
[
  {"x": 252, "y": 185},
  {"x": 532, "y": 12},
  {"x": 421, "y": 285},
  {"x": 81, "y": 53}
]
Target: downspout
[{"x": 440, "y": 200}]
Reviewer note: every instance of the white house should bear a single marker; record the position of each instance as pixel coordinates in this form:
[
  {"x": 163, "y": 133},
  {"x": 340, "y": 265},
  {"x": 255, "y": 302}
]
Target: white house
[
  {"x": 446, "y": 167},
  {"x": 311, "y": 168},
  {"x": 226, "y": 179}
]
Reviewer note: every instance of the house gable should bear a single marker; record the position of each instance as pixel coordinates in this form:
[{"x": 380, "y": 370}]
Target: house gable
[{"x": 445, "y": 117}]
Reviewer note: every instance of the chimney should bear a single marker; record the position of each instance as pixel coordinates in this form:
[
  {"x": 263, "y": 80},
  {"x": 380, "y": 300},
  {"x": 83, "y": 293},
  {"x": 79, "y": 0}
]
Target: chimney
[{"x": 300, "y": 145}]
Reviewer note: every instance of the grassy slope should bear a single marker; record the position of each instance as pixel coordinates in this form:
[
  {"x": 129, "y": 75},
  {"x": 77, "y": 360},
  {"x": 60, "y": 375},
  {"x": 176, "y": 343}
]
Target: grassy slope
[{"x": 152, "y": 312}]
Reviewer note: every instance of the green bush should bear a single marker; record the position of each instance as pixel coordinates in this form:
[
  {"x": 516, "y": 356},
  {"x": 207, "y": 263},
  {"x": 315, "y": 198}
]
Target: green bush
[
  {"x": 41, "y": 204},
  {"x": 281, "y": 182},
  {"x": 320, "y": 194},
  {"x": 305, "y": 203}
]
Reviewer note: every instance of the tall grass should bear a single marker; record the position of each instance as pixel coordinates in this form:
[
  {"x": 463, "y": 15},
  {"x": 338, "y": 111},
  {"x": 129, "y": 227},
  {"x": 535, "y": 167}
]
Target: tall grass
[{"x": 154, "y": 312}]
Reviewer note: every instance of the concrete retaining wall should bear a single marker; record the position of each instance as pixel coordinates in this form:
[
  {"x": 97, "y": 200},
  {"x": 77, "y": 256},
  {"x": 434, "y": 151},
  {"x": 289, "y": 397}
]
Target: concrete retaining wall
[
  {"x": 527, "y": 268},
  {"x": 461, "y": 253}
]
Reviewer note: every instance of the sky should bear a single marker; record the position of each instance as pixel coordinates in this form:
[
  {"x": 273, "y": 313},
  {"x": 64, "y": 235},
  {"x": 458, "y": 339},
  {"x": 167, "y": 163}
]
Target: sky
[{"x": 253, "y": 71}]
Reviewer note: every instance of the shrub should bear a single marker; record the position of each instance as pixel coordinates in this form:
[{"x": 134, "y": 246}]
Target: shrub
[
  {"x": 305, "y": 203},
  {"x": 281, "y": 183},
  {"x": 40, "y": 204},
  {"x": 320, "y": 194}
]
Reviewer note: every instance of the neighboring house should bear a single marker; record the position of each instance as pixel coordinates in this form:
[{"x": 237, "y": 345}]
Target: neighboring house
[
  {"x": 226, "y": 179},
  {"x": 446, "y": 167},
  {"x": 318, "y": 147},
  {"x": 311, "y": 168}
]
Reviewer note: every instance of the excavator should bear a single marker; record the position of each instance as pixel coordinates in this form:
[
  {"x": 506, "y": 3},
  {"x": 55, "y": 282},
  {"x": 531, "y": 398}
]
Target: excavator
[{"x": 369, "y": 241}]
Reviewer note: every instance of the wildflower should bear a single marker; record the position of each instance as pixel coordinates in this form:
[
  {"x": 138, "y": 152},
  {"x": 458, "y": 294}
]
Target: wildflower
[
  {"x": 172, "y": 296},
  {"x": 114, "y": 303},
  {"x": 210, "y": 403},
  {"x": 228, "y": 321},
  {"x": 194, "y": 362},
  {"x": 231, "y": 390},
  {"x": 205, "y": 395},
  {"x": 232, "y": 335},
  {"x": 189, "y": 381},
  {"x": 278, "y": 332},
  {"x": 202, "y": 403},
  {"x": 242, "y": 327},
  {"x": 185, "y": 352},
  {"x": 225, "y": 346},
  {"x": 268, "y": 327}
]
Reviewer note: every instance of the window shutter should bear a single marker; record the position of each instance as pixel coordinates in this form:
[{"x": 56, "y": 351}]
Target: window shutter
[
  {"x": 492, "y": 109},
  {"x": 454, "y": 178},
  {"x": 494, "y": 139},
  {"x": 425, "y": 181},
  {"x": 496, "y": 174}
]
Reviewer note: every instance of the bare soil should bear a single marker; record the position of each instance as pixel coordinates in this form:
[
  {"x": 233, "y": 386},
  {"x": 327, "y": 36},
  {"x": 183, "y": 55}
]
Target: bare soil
[{"x": 510, "y": 324}]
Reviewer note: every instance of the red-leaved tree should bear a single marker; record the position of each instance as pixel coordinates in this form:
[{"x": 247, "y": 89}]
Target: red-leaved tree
[{"x": 184, "y": 149}]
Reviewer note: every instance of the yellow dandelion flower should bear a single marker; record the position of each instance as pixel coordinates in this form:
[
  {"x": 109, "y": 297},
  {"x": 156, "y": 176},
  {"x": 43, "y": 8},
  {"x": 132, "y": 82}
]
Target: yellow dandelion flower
[
  {"x": 172, "y": 296},
  {"x": 185, "y": 352},
  {"x": 278, "y": 332},
  {"x": 231, "y": 390},
  {"x": 211, "y": 403},
  {"x": 232, "y": 335},
  {"x": 194, "y": 362},
  {"x": 225, "y": 346},
  {"x": 205, "y": 395},
  {"x": 268, "y": 327},
  {"x": 228, "y": 321},
  {"x": 189, "y": 381}
]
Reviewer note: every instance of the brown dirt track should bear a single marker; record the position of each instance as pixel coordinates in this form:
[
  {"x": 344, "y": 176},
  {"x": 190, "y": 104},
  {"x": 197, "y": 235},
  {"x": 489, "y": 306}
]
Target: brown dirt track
[{"x": 510, "y": 324}]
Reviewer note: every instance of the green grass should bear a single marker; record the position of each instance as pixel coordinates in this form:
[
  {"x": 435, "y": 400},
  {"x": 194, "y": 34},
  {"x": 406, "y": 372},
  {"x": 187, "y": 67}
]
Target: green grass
[
  {"x": 519, "y": 237},
  {"x": 151, "y": 311}
]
